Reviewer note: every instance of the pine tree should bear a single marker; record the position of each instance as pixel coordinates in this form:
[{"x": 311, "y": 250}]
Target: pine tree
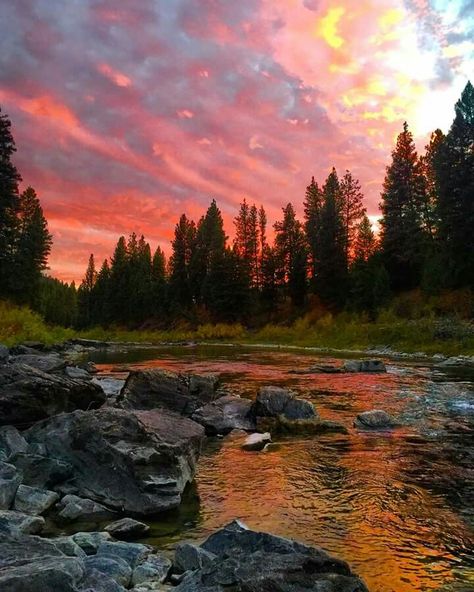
[
  {"x": 85, "y": 295},
  {"x": 246, "y": 242},
  {"x": 160, "y": 295},
  {"x": 183, "y": 248},
  {"x": 9, "y": 204},
  {"x": 352, "y": 211},
  {"x": 454, "y": 168},
  {"x": 291, "y": 255},
  {"x": 312, "y": 214},
  {"x": 365, "y": 243},
  {"x": 403, "y": 238},
  {"x": 119, "y": 282},
  {"x": 262, "y": 235},
  {"x": 100, "y": 296}
]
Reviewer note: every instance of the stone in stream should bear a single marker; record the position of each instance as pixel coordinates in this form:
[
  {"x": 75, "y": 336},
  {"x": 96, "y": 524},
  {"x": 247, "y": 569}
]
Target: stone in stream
[
  {"x": 256, "y": 442},
  {"x": 32, "y": 500},
  {"x": 28, "y": 395},
  {"x": 376, "y": 419},
  {"x": 156, "y": 388},
  {"x": 364, "y": 366},
  {"x": 137, "y": 462},
  {"x": 127, "y": 529},
  {"x": 250, "y": 560},
  {"x": 72, "y": 507},
  {"x": 226, "y": 414}
]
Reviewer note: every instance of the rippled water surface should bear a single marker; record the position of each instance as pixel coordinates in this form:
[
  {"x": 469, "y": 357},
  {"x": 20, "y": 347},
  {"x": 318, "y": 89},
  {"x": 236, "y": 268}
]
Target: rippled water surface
[{"x": 398, "y": 506}]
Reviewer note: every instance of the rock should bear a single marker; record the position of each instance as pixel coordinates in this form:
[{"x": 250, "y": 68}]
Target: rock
[
  {"x": 35, "y": 501},
  {"x": 48, "y": 574},
  {"x": 10, "y": 480},
  {"x": 127, "y": 528},
  {"x": 225, "y": 414},
  {"x": 249, "y": 560},
  {"x": 17, "y": 522},
  {"x": 162, "y": 389},
  {"x": 28, "y": 395},
  {"x": 272, "y": 400},
  {"x": 89, "y": 343},
  {"x": 48, "y": 363},
  {"x": 374, "y": 420},
  {"x": 131, "y": 553},
  {"x": 4, "y": 353},
  {"x": 155, "y": 568},
  {"x": 77, "y": 373},
  {"x": 11, "y": 442},
  {"x": 73, "y": 507},
  {"x": 96, "y": 581},
  {"x": 68, "y": 546},
  {"x": 364, "y": 366},
  {"x": 137, "y": 462},
  {"x": 189, "y": 557},
  {"x": 110, "y": 386},
  {"x": 299, "y": 409},
  {"x": 324, "y": 369},
  {"x": 307, "y": 427},
  {"x": 257, "y": 441},
  {"x": 41, "y": 471},
  {"x": 114, "y": 568},
  {"x": 89, "y": 542}
]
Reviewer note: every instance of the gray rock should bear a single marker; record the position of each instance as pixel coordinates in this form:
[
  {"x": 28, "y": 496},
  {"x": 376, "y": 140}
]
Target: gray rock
[
  {"x": 376, "y": 419},
  {"x": 323, "y": 369},
  {"x": 137, "y": 462},
  {"x": 226, "y": 414},
  {"x": 68, "y": 546},
  {"x": 311, "y": 426},
  {"x": 77, "y": 373},
  {"x": 73, "y": 507},
  {"x": 41, "y": 471},
  {"x": 127, "y": 528},
  {"x": 48, "y": 574},
  {"x": 35, "y": 501},
  {"x": 96, "y": 581},
  {"x": 11, "y": 442},
  {"x": 110, "y": 386},
  {"x": 19, "y": 523},
  {"x": 162, "y": 389},
  {"x": 155, "y": 569},
  {"x": 89, "y": 542},
  {"x": 10, "y": 480},
  {"x": 189, "y": 557},
  {"x": 364, "y": 366},
  {"x": 248, "y": 560},
  {"x": 115, "y": 568},
  {"x": 28, "y": 395},
  {"x": 131, "y": 553},
  {"x": 299, "y": 409},
  {"x": 257, "y": 441},
  {"x": 272, "y": 400},
  {"x": 4, "y": 353},
  {"x": 48, "y": 363},
  {"x": 17, "y": 549}
]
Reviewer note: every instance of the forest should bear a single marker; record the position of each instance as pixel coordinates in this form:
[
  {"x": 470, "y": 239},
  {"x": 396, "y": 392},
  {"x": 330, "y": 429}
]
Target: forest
[{"x": 330, "y": 260}]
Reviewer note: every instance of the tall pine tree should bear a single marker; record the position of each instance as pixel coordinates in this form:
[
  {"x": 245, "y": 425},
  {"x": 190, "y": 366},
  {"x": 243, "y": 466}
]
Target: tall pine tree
[{"x": 312, "y": 214}]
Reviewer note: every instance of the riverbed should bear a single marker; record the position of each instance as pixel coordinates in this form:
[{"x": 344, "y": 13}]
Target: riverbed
[{"x": 399, "y": 505}]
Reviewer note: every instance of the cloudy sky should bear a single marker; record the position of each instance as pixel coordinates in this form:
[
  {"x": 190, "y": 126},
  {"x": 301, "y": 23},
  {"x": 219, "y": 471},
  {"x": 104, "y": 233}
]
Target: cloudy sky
[{"x": 128, "y": 113}]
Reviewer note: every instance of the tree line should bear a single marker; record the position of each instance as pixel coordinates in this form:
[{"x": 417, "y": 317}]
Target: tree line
[{"x": 332, "y": 255}]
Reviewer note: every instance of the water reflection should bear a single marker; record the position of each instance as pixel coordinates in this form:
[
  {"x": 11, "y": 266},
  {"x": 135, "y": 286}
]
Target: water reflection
[{"x": 398, "y": 506}]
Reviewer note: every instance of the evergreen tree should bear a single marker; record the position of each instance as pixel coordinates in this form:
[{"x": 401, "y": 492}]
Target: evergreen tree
[
  {"x": 56, "y": 302},
  {"x": 454, "y": 170},
  {"x": 312, "y": 214},
  {"x": 370, "y": 285},
  {"x": 100, "y": 296},
  {"x": 262, "y": 235},
  {"x": 160, "y": 295},
  {"x": 246, "y": 242},
  {"x": 291, "y": 255},
  {"x": 85, "y": 295},
  {"x": 352, "y": 211},
  {"x": 9, "y": 204},
  {"x": 119, "y": 283},
  {"x": 403, "y": 238},
  {"x": 331, "y": 257},
  {"x": 269, "y": 272},
  {"x": 365, "y": 243},
  {"x": 183, "y": 248}
]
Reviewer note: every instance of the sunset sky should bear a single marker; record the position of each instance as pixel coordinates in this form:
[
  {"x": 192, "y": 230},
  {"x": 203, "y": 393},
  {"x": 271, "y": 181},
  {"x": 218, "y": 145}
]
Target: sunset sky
[{"x": 127, "y": 114}]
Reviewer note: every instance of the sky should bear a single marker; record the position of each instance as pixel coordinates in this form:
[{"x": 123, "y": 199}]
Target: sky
[{"x": 127, "y": 114}]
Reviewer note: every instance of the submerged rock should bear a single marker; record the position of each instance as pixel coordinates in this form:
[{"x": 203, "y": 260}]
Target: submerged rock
[
  {"x": 28, "y": 395},
  {"x": 376, "y": 419},
  {"x": 127, "y": 528},
  {"x": 162, "y": 389},
  {"x": 226, "y": 414},
  {"x": 364, "y": 366},
  {"x": 257, "y": 441},
  {"x": 136, "y": 462},
  {"x": 247, "y": 560}
]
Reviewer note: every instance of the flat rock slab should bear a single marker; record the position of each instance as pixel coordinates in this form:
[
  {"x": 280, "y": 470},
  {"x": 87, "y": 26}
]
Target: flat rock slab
[{"x": 45, "y": 363}]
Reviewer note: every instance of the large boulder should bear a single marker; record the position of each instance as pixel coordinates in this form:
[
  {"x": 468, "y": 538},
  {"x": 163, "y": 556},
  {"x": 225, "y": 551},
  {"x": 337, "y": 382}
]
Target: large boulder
[
  {"x": 11, "y": 442},
  {"x": 46, "y": 363},
  {"x": 136, "y": 462},
  {"x": 155, "y": 388},
  {"x": 246, "y": 560},
  {"x": 32, "y": 500},
  {"x": 28, "y": 395},
  {"x": 226, "y": 414}
]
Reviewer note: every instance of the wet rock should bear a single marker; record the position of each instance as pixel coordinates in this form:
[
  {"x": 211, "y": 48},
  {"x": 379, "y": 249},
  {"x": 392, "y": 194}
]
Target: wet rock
[
  {"x": 114, "y": 568},
  {"x": 32, "y": 500},
  {"x": 131, "y": 553},
  {"x": 77, "y": 373},
  {"x": 226, "y": 414},
  {"x": 249, "y": 560},
  {"x": 73, "y": 507},
  {"x": 41, "y": 471},
  {"x": 48, "y": 363},
  {"x": 48, "y": 574},
  {"x": 28, "y": 395},
  {"x": 272, "y": 400},
  {"x": 137, "y": 462},
  {"x": 4, "y": 353},
  {"x": 306, "y": 427},
  {"x": 11, "y": 442},
  {"x": 110, "y": 386},
  {"x": 189, "y": 557},
  {"x": 364, "y": 366},
  {"x": 324, "y": 369},
  {"x": 19, "y": 523},
  {"x": 10, "y": 480},
  {"x": 127, "y": 528},
  {"x": 154, "y": 569},
  {"x": 376, "y": 419},
  {"x": 257, "y": 441},
  {"x": 162, "y": 389},
  {"x": 89, "y": 542}
]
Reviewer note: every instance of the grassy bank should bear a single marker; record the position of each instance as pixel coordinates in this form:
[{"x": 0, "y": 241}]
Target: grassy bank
[{"x": 430, "y": 334}]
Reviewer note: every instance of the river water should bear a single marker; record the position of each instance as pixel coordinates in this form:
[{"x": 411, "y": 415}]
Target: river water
[{"x": 399, "y": 506}]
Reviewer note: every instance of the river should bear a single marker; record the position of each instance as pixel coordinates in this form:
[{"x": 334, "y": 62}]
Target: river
[{"x": 399, "y": 506}]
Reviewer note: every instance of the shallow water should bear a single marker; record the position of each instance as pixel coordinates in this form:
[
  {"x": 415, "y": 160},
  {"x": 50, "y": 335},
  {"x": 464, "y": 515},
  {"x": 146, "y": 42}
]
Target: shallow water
[{"x": 399, "y": 506}]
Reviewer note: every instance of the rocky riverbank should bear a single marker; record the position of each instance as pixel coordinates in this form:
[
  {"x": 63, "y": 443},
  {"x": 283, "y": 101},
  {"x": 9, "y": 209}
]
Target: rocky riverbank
[{"x": 76, "y": 448}]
